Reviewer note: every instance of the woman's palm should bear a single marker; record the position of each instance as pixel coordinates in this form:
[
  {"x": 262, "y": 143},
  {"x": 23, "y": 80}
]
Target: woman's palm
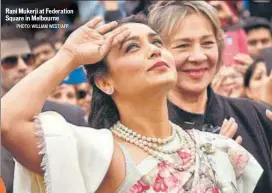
[{"x": 89, "y": 45}]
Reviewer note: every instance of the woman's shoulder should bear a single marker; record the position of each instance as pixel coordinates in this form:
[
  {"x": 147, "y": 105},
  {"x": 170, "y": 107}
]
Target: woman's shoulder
[{"x": 76, "y": 154}]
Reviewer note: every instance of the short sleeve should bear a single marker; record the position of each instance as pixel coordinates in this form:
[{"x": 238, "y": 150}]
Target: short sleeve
[{"x": 75, "y": 159}]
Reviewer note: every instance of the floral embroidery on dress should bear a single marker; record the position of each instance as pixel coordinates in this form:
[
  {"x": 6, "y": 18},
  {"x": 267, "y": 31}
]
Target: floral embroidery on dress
[
  {"x": 139, "y": 187},
  {"x": 239, "y": 159},
  {"x": 166, "y": 178},
  {"x": 160, "y": 185},
  {"x": 201, "y": 177},
  {"x": 184, "y": 156}
]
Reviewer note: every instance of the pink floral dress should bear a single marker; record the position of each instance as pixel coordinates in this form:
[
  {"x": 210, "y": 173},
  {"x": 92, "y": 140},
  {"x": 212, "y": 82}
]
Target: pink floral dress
[
  {"x": 76, "y": 160},
  {"x": 221, "y": 166}
]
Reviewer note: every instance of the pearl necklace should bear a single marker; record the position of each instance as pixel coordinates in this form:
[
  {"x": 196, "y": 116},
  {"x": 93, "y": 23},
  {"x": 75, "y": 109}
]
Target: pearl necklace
[{"x": 153, "y": 146}]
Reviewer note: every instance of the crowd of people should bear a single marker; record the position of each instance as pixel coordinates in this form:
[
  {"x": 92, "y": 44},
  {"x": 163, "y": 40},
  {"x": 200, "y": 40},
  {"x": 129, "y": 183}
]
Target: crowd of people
[{"x": 174, "y": 97}]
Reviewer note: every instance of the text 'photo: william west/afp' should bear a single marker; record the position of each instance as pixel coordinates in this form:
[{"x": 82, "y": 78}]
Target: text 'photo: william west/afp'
[{"x": 136, "y": 96}]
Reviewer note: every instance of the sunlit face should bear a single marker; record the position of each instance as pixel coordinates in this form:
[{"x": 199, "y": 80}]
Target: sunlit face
[
  {"x": 141, "y": 65},
  {"x": 84, "y": 93},
  {"x": 194, "y": 47},
  {"x": 64, "y": 93},
  {"x": 43, "y": 53},
  {"x": 258, "y": 39},
  {"x": 256, "y": 82},
  {"x": 11, "y": 76}
]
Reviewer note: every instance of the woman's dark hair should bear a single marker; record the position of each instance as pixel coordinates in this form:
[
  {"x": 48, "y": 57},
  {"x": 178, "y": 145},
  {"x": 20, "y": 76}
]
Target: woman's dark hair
[
  {"x": 104, "y": 112},
  {"x": 250, "y": 71}
]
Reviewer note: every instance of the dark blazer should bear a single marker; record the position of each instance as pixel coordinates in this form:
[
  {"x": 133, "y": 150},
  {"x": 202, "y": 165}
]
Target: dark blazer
[
  {"x": 253, "y": 125},
  {"x": 72, "y": 114}
]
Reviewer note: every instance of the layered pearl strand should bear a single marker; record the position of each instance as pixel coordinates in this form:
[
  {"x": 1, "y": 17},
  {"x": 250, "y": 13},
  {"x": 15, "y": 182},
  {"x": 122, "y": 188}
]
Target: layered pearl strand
[{"x": 153, "y": 146}]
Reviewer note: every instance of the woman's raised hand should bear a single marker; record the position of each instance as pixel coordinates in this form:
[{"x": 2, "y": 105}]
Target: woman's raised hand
[{"x": 89, "y": 44}]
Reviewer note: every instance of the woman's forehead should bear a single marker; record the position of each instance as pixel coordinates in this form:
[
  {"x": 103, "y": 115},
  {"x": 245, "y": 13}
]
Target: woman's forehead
[
  {"x": 195, "y": 25},
  {"x": 138, "y": 29},
  {"x": 66, "y": 87}
]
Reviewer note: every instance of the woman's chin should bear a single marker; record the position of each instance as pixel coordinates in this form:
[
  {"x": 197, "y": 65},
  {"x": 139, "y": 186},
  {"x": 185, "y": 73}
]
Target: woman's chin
[{"x": 165, "y": 84}]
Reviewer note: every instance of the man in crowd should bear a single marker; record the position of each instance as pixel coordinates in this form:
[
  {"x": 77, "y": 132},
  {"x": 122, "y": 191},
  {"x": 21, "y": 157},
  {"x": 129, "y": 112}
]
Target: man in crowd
[
  {"x": 17, "y": 61},
  {"x": 259, "y": 35},
  {"x": 43, "y": 49}
]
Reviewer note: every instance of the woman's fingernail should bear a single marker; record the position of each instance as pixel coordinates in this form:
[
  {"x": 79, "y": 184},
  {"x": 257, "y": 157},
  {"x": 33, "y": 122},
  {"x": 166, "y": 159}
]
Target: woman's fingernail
[{"x": 268, "y": 112}]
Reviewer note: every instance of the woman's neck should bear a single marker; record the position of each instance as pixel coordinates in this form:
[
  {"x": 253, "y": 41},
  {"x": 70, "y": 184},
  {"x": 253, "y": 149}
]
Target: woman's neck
[
  {"x": 149, "y": 117},
  {"x": 190, "y": 102}
]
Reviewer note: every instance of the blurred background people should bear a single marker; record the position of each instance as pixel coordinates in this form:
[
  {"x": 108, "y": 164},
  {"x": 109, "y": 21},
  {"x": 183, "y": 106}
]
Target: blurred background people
[
  {"x": 138, "y": 6},
  {"x": 226, "y": 12},
  {"x": 75, "y": 90},
  {"x": 259, "y": 8},
  {"x": 17, "y": 61},
  {"x": 257, "y": 82},
  {"x": 229, "y": 82},
  {"x": 84, "y": 96},
  {"x": 44, "y": 49},
  {"x": 234, "y": 37},
  {"x": 259, "y": 35},
  {"x": 254, "y": 80},
  {"x": 109, "y": 10},
  {"x": 64, "y": 93}
]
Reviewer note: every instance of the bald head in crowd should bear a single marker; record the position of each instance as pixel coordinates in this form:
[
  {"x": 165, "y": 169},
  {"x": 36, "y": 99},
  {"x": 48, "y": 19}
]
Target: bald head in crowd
[{"x": 16, "y": 57}]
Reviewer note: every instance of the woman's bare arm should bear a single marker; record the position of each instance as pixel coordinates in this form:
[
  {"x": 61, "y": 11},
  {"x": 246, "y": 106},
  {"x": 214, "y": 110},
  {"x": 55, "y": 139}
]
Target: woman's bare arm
[
  {"x": 25, "y": 100},
  {"x": 22, "y": 103}
]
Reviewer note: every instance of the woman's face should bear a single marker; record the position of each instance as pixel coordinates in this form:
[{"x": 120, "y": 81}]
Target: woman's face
[
  {"x": 141, "y": 65},
  {"x": 84, "y": 94},
  {"x": 194, "y": 47},
  {"x": 64, "y": 93},
  {"x": 256, "y": 82},
  {"x": 232, "y": 83}
]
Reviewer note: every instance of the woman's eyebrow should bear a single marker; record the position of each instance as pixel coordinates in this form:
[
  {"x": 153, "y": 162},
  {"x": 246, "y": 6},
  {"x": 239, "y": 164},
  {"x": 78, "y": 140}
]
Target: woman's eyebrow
[
  {"x": 150, "y": 35},
  {"x": 128, "y": 39}
]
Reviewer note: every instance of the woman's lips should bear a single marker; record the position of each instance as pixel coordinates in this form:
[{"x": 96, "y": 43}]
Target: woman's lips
[
  {"x": 160, "y": 65},
  {"x": 195, "y": 73}
]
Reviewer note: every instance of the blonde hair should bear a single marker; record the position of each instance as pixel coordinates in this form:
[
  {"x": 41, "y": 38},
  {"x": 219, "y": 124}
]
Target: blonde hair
[{"x": 164, "y": 15}]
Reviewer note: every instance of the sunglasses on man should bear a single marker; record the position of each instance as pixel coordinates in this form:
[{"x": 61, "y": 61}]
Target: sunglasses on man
[{"x": 10, "y": 62}]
